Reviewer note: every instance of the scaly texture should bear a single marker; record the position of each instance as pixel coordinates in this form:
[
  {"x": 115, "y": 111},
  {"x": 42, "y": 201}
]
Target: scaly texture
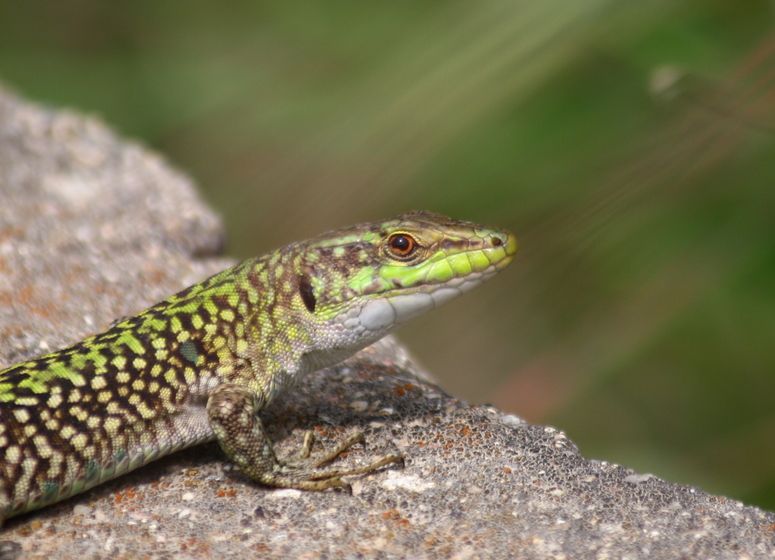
[{"x": 203, "y": 363}]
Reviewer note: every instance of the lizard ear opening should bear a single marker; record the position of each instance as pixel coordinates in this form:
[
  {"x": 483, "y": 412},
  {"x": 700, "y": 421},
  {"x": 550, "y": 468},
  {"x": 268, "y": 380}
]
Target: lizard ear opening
[{"x": 306, "y": 293}]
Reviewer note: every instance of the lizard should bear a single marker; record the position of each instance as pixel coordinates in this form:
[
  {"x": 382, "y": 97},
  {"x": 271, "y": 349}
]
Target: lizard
[{"x": 202, "y": 364}]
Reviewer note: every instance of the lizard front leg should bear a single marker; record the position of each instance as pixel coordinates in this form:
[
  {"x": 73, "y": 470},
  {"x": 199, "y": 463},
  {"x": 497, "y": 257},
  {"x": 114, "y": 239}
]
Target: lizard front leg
[{"x": 233, "y": 414}]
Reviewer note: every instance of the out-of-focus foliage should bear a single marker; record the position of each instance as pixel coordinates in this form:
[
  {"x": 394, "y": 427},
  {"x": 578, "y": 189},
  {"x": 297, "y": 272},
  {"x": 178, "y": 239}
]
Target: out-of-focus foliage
[{"x": 631, "y": 146}]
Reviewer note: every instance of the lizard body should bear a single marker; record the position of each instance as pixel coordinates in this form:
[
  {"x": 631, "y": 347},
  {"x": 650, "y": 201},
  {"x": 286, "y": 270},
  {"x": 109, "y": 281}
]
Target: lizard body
[{"x": 203, "y": 363}]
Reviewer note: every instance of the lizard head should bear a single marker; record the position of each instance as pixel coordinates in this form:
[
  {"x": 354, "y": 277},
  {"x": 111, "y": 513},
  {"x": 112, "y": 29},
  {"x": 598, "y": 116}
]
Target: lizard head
[{"x": 365, "y": 280}]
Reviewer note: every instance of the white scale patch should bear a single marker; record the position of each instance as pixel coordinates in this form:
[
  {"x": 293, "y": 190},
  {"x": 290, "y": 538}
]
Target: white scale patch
[{"x": 377, "y": 314}]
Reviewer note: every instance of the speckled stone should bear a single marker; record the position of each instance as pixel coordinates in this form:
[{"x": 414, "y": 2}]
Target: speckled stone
[{"x": 93, "y": 228}]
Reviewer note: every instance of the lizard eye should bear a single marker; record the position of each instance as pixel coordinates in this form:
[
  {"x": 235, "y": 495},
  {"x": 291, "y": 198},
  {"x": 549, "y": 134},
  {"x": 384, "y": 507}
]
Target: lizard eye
[{"x": 401, "y": 245}]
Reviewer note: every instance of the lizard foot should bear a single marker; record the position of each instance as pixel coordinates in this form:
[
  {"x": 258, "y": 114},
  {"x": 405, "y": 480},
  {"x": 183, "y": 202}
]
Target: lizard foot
[
  {"x": 304, "y": 471},
  {"x": 231, "y": 410}
]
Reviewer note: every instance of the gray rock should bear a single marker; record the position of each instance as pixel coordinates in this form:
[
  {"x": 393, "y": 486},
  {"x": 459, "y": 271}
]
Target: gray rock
[{"x": 93, "y": 228}]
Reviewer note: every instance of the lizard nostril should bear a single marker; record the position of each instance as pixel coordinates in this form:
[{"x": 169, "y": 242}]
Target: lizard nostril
[{"x": 496, "y": 241}]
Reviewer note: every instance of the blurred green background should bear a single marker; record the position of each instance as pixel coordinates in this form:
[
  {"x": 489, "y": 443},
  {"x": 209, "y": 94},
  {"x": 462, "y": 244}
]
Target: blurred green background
[{"x": 630, "y": 145}]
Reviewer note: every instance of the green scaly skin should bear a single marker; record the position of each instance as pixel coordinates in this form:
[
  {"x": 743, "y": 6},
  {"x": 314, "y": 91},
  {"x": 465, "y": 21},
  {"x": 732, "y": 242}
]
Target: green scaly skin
[{"x": 203, "y": 363}]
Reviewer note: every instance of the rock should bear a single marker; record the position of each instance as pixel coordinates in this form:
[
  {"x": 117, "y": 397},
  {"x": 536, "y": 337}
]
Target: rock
[{"x": 93, "y": 228}]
